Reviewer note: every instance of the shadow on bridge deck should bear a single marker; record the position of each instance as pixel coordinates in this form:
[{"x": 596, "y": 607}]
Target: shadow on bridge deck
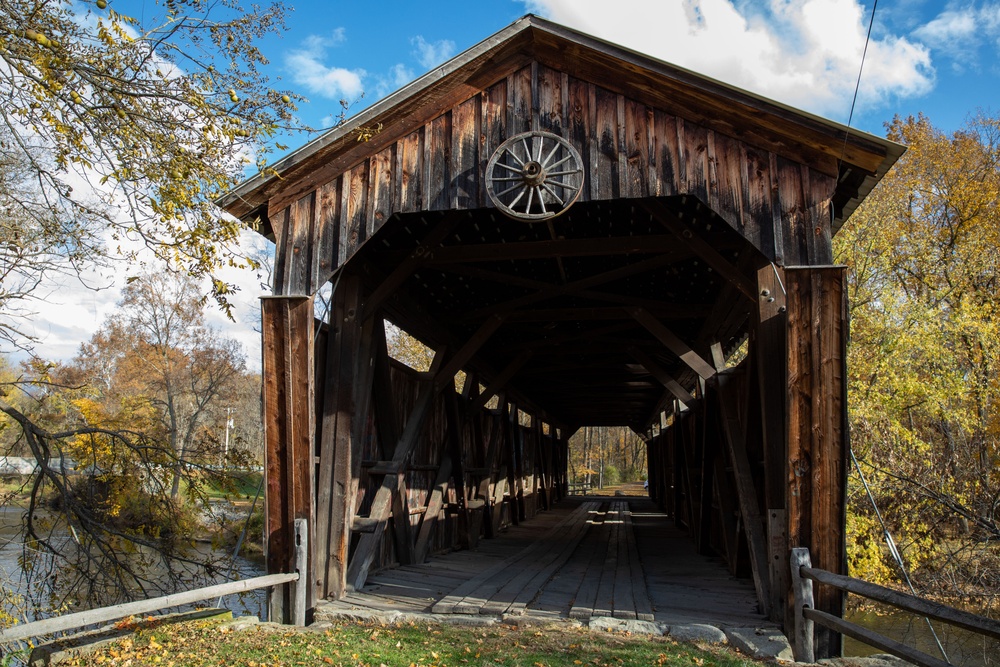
[{"x": 588, "y": 557}]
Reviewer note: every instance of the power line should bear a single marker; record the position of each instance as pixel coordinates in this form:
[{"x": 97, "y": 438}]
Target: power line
[{"x": 857, "y": 84}]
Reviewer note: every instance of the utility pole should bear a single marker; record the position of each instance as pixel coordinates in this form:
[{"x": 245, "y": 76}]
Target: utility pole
[{"x": 225, "y": 447}]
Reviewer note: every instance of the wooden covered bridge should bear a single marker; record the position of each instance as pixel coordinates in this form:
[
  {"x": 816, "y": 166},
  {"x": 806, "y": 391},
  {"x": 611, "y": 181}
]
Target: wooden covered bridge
[{"x": 592, "y": 237}]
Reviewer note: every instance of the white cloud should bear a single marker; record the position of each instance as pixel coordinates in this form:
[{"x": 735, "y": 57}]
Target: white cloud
[
  {"x": 399, "y": 75},
  {"x": 432, "y": 54},
  {"x": 805, "y": 53},
  {"x": 308, "y": 69},
  {"x": 960, "y": 32}
]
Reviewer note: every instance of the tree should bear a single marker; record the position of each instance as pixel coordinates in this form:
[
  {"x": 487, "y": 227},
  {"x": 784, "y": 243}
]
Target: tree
[
  {"x": 123, "y": 130},
  {"x": 137, "y": 416},
  {"x": 156, "y": 348},
  {"x": 924, "y": 250}
]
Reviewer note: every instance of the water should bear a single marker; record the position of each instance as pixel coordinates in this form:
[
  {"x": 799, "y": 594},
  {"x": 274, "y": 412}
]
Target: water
[
  {"x": 963, "y": 647},
  {"x": 11, "y": 550}
]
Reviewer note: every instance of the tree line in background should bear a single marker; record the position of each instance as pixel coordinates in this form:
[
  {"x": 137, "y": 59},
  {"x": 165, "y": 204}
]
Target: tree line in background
[
  {"x": 602, "y": 456},
  {"x": 116, "y": 135},
  {"x": 923, "y": 364},
  {"x": 155, "y": 414}
]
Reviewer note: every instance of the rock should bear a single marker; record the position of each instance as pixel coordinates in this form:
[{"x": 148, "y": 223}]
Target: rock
[
  {"x": 696, "y": 632},
  {"x": 605, "y": 624},
  {"x": 239, "y": 624},
  {"x": 761, "y": 643}
]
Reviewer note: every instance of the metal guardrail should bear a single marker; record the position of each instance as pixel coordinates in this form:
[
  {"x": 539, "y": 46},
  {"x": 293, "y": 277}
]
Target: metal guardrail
[
  {"x": 104, "y": 614},
  {"x": 803, "y": 576}
]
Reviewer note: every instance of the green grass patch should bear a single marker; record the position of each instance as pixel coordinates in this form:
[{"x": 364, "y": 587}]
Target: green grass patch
[
  {"x": 203, "y": 644},
  {"x": 237, "y": 486}
]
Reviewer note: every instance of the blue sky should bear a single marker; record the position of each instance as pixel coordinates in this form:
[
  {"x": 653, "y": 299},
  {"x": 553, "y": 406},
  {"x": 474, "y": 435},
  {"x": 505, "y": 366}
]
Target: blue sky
[{"x": 938, "y": 58}]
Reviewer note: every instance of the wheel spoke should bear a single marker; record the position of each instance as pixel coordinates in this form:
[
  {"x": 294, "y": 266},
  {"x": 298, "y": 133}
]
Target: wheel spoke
[
  {"x": 516, "y": 170},
  {"x": 511, "y": 153},
  {"x": 548, "y": 157},
  {"x": 510, "y": 189},
  {"x": 553, "y": 166},
  {"x": 516, "y": 199},
  {"x": 553, "y": 193},
  {"x": 528, "y": 179}
]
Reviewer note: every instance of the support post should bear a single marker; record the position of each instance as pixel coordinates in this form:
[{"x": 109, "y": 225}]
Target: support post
[
  {"x": 769, "y": 345},
  {"x": 816, "y": 490},
  {"x": 802, "y": 592},
  {"x": 346, "y": 399},
  {"x": 302, "y": 568},
  {"x": 289, "y": 429}
]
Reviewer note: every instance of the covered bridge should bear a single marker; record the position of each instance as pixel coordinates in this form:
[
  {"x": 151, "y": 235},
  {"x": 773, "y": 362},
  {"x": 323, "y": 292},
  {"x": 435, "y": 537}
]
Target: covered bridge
[{"x": 593, "y": 237}]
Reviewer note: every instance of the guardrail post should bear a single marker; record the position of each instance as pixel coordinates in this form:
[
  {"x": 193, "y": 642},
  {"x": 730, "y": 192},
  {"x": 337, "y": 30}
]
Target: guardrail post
[
  {"x": 301, "y": 567},
  {"x": 802, "y": 590}
]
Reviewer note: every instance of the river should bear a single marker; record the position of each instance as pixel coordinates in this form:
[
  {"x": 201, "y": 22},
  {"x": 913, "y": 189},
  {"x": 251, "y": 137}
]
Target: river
[
  {"x": 11, "y": 551},
  {"x": 963, "y": 647}
]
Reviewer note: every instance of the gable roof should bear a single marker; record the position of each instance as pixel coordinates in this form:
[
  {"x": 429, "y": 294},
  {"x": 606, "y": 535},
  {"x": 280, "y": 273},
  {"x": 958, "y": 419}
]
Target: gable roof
[{"x": 858, "y": 160}]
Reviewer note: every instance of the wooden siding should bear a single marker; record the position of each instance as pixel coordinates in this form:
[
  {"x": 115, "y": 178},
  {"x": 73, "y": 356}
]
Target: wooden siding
[{"x": 629, "y": 149}]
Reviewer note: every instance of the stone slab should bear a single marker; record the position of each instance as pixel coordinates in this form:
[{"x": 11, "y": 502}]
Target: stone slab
[
  {"x": 697, "y": 632},
  {"x": 761, "y": 643}
]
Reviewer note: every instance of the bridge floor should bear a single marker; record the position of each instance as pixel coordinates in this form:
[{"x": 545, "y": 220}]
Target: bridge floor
[{"x": 587, "y": 557}]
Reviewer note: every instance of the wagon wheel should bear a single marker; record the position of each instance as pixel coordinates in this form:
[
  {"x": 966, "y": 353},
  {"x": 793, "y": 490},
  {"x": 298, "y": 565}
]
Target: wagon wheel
[{"x": 534, "y": 176}]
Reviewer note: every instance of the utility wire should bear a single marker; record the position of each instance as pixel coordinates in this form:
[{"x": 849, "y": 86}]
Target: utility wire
[
  {"x": 857, "y": 84},
  {"x": 895, "y": 552}
]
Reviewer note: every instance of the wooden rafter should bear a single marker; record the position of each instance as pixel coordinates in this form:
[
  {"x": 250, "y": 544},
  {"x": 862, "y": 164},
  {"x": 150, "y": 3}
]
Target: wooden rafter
[
  {"x": 753, "y": 522},
  {"x": 428, "y": 246},
  {"x": 547, "y": 291},
  {"x": 570, "y": 247},
  {"x": 662, "y": 376},
  {"x": 673, "y": 343},
  {"x": 688, "y": 237}
]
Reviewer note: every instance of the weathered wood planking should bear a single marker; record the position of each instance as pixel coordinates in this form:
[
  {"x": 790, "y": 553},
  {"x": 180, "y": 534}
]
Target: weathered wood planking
[
  {"x": 817, "y": 439},
  {"x": 629, "y": 149},
  {"x": 289, "y": 427}
]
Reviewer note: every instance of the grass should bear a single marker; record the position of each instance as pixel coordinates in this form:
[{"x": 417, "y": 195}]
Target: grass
[
  {"x": 204, "y": 644},
  {"x": 238, "y": 486}
]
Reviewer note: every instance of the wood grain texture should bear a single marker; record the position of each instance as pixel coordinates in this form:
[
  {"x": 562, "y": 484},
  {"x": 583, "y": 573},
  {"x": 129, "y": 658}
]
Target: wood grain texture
[{"x": 817, "y": 444}]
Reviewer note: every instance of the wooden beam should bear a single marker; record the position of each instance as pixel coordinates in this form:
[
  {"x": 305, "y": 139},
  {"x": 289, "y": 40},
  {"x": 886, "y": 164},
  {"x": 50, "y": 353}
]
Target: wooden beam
[
  {"x": 817, "y": 428},
  {"x": 501, "y": 380},
  {"x": 688, "y": 237},
  {"x": 289, "y": 431},
  {"x": 769, "y": 347},
  {"x": 468, "y": 350},
  {"x": 753, "y": 522},
  {"x": 662, "y": 376},
  {"x": 357, "y": 570},
  {"x": 435, "y": 502},
  {"x": 673, "y": 343},
  {"x": 585, "y": 247},
  {"x": 547, "y": 291},
  {"x": 418, "y": 256}
]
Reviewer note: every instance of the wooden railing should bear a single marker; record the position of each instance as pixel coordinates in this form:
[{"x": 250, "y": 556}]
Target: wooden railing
[
  {"x": 803, "y": 576},
  {"x": 80, "y": 619}
]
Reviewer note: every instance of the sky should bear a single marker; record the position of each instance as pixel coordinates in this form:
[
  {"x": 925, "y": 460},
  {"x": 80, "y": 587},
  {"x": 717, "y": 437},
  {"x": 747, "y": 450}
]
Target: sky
[{"x": 941, "y": 59}]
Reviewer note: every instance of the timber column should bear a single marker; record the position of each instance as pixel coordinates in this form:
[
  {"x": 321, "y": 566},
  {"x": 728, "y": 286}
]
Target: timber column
[
  {"x": 818, "y": 436},
  {"x": 289, "y": 428}
]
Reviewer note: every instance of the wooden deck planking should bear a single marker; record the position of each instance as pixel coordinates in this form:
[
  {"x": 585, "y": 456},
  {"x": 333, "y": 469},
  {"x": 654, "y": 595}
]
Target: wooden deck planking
[{"x": 572, "y": 561}]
